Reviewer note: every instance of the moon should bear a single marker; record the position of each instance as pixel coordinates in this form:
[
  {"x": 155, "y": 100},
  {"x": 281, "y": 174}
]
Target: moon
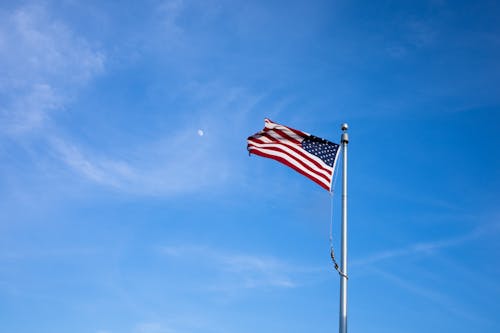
[{"x": 200, "y": 132}]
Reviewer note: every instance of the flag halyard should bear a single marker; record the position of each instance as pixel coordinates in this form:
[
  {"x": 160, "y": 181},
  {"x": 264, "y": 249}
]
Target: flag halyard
[{"x": 311, "y": 156}]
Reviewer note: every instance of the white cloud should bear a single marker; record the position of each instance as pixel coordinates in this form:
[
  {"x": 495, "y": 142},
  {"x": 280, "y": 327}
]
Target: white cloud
[
  {"x": 31, "y": 109},
  {"x": 43, "y": 64},
  {"x": 153, "y": 327},
  {"x": 46, "y": 64},
  {"x": 445, "y": 303},
  {"x": 179, "y": 163},
  {"x": 422, "y": 248},
  {"x": 169, "y": 11},
  {"x": 258, "y": 271},
  {"x": 242, "y": 271},
  {"x": 179, "y": 160},
  {"x": 102, "y": 171}
]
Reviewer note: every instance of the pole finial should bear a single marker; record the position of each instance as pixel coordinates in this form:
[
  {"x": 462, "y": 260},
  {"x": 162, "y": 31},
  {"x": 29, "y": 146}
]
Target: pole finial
[{"x": 345, "y": 137}]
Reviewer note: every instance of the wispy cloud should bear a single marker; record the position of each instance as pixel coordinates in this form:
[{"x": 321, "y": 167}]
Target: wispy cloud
[
  {"x": 102, "y": 171},
  {"x": 246, "y": 271},
  {"x": 32, "y": 109},
  {"x": 43, "y": 65},
  {"x": 153, "y": 327},
  {"x": 422, "y": 248},
  {"x": 183, "y": 161},
  {"x": 47, "y": 64},
  {"x": 168, "y": 12},
  {"x": 417, "y": 286},
  {"x": 443, "y": 301}
]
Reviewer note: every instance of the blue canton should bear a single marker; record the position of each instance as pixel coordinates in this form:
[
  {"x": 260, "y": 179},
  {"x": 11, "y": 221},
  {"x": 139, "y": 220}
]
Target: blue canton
[{"x": 324, "y": 149}]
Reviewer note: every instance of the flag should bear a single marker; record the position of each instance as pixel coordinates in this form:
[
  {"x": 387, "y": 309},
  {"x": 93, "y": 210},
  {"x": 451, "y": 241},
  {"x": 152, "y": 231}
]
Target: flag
[{"x": 307, "y": 154}]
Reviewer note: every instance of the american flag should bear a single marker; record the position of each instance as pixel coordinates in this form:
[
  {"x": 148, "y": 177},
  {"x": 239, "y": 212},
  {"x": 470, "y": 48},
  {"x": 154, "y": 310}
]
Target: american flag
[{"x": 307, "y": 154}]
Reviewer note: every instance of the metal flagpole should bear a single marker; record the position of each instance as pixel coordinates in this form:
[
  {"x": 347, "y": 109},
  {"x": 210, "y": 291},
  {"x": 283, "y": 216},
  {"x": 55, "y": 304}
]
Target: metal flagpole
[{"x": 343, "y": 263}]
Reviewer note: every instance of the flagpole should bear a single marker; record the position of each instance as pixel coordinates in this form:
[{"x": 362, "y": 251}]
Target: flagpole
[{"x": 343, "y": 263}]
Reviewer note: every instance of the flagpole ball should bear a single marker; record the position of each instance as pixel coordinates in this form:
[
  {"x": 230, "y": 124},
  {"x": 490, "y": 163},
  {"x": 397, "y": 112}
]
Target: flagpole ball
[{"x": 345, "y": 137}]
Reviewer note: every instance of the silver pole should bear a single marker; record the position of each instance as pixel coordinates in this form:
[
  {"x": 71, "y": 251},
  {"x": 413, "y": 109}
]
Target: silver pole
[{"x": 343, "y": 263}]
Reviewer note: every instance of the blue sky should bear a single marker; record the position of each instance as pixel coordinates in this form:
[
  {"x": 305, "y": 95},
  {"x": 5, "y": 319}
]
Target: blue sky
[{"x": 117, "y": 216}]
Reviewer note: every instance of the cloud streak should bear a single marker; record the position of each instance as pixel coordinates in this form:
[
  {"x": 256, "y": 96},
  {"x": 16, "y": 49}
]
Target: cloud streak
[
  {"x": 443, "y": 301},
  {"x": 421, "y": 248},
  {"x": 244, "y": 270},
  {"x": 153, "y": 327},
  {"x": 49, "y": 64},
  {"x": 180, "y": 163},
  {"x": 44, "y": 64},
  {"x": 421, "y": 288}
]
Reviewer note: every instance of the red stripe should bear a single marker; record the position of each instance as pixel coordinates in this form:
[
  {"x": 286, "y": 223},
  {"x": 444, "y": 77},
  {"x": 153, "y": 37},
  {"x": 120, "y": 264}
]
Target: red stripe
[
  {"x": 300, "y": 133},
  {"x": 305, "y": 166},
  {"x": 286, "y": 136},
  {"x": 302, "y": 158},
  {"x": 280, "y": 140},
  {"x": 282, "y": 133},
  {"x": 299, "y": 151},
  {"x": 285, "y": 162},
  {"x": 327, "y": 177},
  {"x": 294, "y": 147},
  {"x": 270, "y": 137}
]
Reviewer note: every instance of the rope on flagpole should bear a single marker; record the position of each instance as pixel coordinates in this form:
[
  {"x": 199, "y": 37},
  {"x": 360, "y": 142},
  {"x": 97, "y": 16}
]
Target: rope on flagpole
[{"x": 332, "y": 252}]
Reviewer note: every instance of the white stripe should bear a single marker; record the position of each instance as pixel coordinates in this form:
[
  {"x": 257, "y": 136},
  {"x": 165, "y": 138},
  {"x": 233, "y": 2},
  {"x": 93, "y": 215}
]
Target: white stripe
[
  {"x": 325, "y": 170},
  {"x": 296, "y": 164},
  {"x": 286, "y": 130},
  {"x": 277, "y": 139},
  {"x": 280, "y": 139}
]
